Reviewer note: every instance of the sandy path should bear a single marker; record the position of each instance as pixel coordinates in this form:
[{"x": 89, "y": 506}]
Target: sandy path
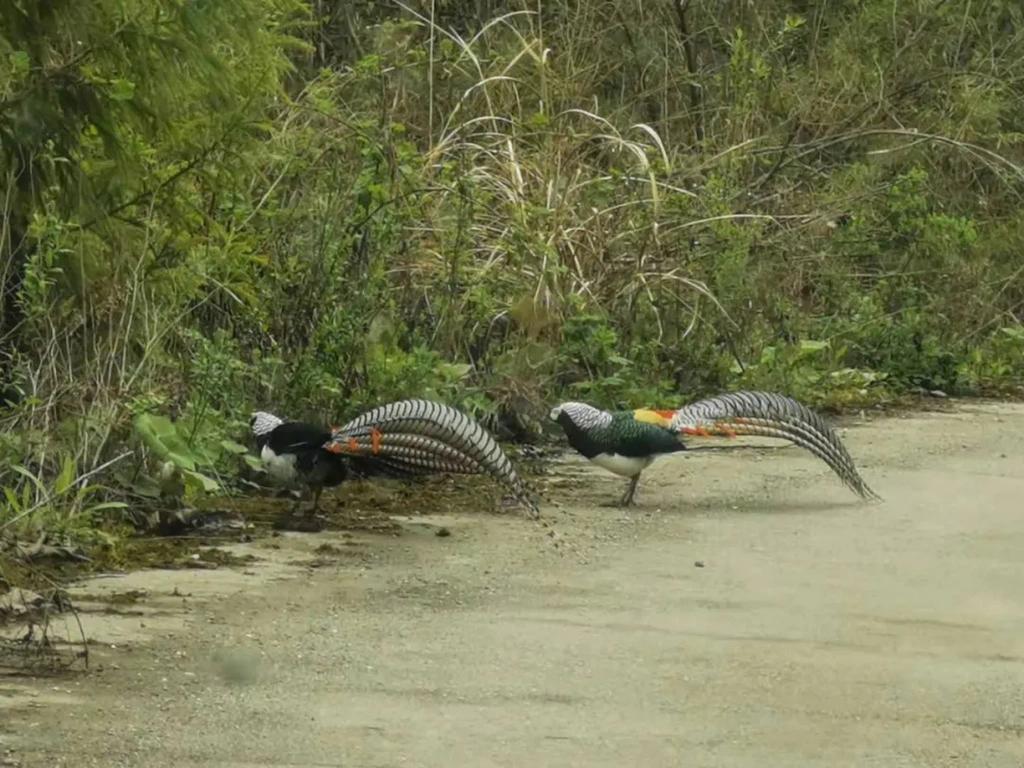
[{"x": 820, "y": 631}]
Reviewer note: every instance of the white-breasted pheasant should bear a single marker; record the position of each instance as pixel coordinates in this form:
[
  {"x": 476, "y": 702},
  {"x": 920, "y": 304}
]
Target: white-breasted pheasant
[
  {"x": 403, "y": 437},
  {"x": 627, "y": 442}
]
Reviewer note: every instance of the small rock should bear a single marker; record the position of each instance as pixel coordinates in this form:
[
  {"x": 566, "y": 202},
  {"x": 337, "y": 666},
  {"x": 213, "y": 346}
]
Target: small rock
[
  {"x": 19, "y": 601},
  {"x": 698, "y": 563},
  {"x": 442, "y": 532}
]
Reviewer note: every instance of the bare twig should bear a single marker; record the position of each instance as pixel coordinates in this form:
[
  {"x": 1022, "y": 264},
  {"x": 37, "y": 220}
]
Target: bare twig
[{"x": 681, "y": 7}]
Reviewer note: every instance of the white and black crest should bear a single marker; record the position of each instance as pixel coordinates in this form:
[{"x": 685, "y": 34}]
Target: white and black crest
[
  {"x": 582, "y": 415},
  {"x": 263, "y": 423}
]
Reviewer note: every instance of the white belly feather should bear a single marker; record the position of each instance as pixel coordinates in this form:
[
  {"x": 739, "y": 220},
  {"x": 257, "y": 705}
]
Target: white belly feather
[
  {"x": 280, "y": 468},
  {"x": 626, "y": 466}
]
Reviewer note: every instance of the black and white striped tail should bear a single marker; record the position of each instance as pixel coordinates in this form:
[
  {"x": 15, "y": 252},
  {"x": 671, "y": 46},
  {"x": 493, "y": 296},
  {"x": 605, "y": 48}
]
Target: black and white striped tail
[
  {"x": 424, "y": 436},
  {"x": 769, "y": 414}
]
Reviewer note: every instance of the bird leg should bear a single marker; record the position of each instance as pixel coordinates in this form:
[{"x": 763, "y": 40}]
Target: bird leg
[
  {"x": 296, "y": 503},
  {"x": 316, "y": 499},
  {"x": 628, "y": 499}
]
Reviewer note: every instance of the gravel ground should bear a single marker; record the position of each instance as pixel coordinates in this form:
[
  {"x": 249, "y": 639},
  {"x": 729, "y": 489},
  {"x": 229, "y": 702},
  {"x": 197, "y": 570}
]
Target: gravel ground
[{"x": 751, "y": 612}]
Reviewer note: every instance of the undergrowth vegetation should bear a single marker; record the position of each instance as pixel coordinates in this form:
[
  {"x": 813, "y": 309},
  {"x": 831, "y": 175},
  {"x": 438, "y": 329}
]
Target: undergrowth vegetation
[{"x": 317, "y": 207}]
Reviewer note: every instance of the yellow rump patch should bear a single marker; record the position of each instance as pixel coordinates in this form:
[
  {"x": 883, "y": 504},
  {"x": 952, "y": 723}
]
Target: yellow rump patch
[{"x": 650, "y": 416}]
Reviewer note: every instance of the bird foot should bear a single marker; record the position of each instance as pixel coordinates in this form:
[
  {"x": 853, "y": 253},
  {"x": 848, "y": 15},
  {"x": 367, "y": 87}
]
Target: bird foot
[
  {"x": 298, "y": 519},
  {"x": 315, "y": 513},
  {"x": 629, "y": 498}
]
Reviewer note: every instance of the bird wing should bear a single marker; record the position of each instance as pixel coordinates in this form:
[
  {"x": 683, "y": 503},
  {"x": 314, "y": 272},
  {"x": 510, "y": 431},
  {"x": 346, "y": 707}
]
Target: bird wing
[
  {"x": 303, "y": 440},
  {"x": 425, "y": 436},
  {"x": 769, "y": 414},
  {"x": 630, "y": 434}
]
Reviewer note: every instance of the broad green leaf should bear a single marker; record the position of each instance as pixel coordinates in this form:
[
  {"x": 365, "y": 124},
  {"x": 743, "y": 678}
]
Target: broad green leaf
[
  {"x": 232, "y": 447},
  {"x": 122, "y": 90},
  {"x": 146, "y": 486},
  {"x": 195, "y": 480},
  {"x": 794, "y": 21},
  {"x": 20, "y": 62},
  {"x": 1015, "y": 332},
  {"x": 454, "y": 371},
  {"x": 161, "y": 436}
]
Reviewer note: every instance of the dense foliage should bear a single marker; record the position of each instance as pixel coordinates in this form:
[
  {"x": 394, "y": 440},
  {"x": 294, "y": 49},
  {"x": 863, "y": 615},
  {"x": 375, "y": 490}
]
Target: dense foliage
[{"x": 316, "y": 206}]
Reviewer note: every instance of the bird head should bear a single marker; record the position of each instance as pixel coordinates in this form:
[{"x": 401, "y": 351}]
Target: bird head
[
  {"x": 262, "y": 423},
  {"x": 580, "y": 414}
]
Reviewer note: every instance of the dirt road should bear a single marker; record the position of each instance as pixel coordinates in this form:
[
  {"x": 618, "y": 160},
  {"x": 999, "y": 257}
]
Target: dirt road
[{"x": 820, "y": 631}]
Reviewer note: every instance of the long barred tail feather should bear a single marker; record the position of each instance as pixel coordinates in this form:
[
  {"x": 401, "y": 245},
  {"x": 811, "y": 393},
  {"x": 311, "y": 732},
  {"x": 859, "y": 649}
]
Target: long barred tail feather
[
  {"x": 769, "y": 414},
  {"x": 416, "y": 451},
  {"x": 424, "y": 436},
  {"x": 367, "y": 469}
]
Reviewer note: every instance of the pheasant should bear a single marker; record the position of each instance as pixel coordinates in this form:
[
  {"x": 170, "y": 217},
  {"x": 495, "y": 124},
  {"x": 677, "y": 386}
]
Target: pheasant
[
  {"x": 627, "y": 442},
  {"x": 294, "y": 451},
  {"x": 404, "y": 437}
]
